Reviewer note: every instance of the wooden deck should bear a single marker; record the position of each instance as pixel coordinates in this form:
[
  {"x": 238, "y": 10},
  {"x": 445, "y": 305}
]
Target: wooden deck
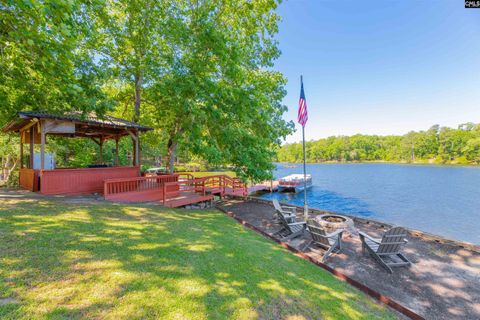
[
  {"x": 173, "y": 190},
  {"x": 264, "y": 186}
]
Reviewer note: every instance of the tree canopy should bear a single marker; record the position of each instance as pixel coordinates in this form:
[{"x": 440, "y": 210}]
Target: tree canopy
[
  {"x": 48, "y": 57},
  {"x": 199, "y": 72}
]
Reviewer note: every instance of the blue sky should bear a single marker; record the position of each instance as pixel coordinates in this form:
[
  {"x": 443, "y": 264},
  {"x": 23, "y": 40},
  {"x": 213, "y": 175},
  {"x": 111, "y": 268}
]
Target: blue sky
[{"x": 380, "y": 67}]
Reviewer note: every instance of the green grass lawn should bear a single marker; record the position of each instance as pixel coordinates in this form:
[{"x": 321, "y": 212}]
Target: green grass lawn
[{"x": 110, "y": 261}]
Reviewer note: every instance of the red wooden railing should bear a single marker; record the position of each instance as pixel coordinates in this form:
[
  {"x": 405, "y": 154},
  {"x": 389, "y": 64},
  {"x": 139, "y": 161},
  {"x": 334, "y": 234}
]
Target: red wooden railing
[
  {"x": 173, "y": 189},
  {"x": 167, "y": 187},
  {"x": 185, "y": 176},
  {"x": 236, "y": 185},
  {"x": 137, "y": 189},
  {"x": 218, "y": 184},
  {"x": 82, "y": 180}
]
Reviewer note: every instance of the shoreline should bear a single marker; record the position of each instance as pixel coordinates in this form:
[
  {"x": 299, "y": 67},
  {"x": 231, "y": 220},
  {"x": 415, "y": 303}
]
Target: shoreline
[
  {"x": 387, "y": 162},
  {"x": 413, "y": 232}
]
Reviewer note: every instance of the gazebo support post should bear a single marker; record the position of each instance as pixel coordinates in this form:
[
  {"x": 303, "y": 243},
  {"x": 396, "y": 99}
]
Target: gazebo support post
[
  {"x": 116, "y": 151},
  {"x": 21, "y": 149},
  {"x": 138, "y": 149},
  {"x": 32, "y": 136},
  {"x": 133, "y": 152},
  {"x": 100, "y": 148},
  {"x": 100, "y": 156},
  {"x": 42, "y": 146}
]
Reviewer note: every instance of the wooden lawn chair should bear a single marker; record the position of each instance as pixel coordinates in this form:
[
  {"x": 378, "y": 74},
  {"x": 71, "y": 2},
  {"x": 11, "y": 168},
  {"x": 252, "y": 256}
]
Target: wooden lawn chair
[
  {"x": 328, "y": 241},
  {"x": 386, "y": 251}
]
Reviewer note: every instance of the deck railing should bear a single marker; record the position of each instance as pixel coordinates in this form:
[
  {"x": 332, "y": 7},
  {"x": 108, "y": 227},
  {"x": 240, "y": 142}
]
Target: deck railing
[
  {"x": 234, "y": 186},
  {"x": 166, "y": 187},
  {"x": 174, "y": 189},
  {"x": 137, "y": 184},
  {"x": 82, "y": 180},
  {"x": 185, "y": 176},
  {"x": 220, "y": 182}
]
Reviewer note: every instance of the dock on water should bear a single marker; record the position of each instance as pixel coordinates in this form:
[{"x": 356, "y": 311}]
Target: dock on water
[{"x": 269, "y": 186}]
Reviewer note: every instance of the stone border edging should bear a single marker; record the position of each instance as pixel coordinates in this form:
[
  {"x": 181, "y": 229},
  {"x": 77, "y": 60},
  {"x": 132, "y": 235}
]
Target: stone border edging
[
  {"x": 413, "y": 232},
  {"x": 372, "y": 293}
]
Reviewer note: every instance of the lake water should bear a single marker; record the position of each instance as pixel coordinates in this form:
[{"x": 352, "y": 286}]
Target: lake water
[{"x": 442, "y": 200}]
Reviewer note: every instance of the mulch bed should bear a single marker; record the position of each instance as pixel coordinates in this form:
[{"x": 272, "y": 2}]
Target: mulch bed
[{"x": 442, "y": 283}]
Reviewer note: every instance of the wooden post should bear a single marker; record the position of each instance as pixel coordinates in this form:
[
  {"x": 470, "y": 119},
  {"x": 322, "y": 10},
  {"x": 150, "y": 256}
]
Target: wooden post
[
  {"x": 164, "y": 193},
  {"x": 32, "y": 136},
  {"x": 116, "y": 151},
  {"x": 134, "y": 151},
  {"x": 100, "y": 156},
  {"x": 137, "y": 151},
  {"x": 21, "y": 149},
  {"x": 42, "y": 147}
]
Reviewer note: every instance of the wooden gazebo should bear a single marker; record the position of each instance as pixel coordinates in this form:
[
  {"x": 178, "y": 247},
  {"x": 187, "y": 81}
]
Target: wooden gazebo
[{"x": 35, "y": 126}]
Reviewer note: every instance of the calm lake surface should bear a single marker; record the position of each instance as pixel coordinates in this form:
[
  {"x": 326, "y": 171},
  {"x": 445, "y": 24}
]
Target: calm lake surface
[{"x": 442, "y": 200}]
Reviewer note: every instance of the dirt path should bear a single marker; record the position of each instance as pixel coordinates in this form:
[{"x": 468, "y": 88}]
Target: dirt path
[{"x": 442, "y": 283}]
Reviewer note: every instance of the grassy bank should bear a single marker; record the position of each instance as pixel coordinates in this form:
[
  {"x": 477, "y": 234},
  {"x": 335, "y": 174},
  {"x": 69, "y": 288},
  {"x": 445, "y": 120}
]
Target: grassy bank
[{"x": 123, "y": 262}]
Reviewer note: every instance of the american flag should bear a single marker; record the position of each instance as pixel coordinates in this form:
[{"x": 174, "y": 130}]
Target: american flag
[{"x": 302, "y": 108}]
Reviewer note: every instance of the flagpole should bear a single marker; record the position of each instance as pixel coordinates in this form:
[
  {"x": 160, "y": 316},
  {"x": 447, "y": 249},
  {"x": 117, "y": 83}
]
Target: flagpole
[{"x": 305, "y": 204}]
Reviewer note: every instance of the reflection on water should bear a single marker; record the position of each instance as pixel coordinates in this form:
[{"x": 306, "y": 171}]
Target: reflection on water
[
  {"x": 443, "y": 200},
  {"x": 324, "y": 199}
]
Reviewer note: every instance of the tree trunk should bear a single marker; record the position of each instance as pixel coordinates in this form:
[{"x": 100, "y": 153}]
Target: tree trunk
[
  {"x": 172, "y": 148},
  {"x": 9, "y": 166},
  {"x": 136, "y": 106},
  {"x": 138, "y": 93},
  {"x": 4, "y": 170}
]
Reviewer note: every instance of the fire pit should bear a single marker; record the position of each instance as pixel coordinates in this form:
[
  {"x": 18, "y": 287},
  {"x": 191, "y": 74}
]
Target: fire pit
[
  {"x": 332, "y": 219},
  {"x": 332, "y": 222}
]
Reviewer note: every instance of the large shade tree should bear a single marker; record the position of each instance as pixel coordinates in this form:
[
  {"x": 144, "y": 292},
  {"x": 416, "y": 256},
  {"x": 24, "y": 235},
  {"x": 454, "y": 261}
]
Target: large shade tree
[
  {"x": 200, "y": 73},
  {"x": 219, "y": 96},
  {"x": 47, "y": 60}
]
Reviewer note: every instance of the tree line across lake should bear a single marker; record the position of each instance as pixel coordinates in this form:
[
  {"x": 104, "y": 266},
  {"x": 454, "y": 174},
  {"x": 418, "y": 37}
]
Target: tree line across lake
[{"x": 440, "y": 145}]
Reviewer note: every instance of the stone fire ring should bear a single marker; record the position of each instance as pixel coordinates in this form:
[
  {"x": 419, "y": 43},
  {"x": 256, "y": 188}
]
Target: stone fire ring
[{"x": 332, "y": 222}]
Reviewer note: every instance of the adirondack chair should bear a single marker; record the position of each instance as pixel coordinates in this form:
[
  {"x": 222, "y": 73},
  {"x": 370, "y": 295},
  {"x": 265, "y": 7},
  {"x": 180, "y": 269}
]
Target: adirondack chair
[
  {"x": 292, "y": 228},
  {"x": 290, "y": 213},
  {"x": 328, "y": 241},
  {"x": 386, "y": 251}
]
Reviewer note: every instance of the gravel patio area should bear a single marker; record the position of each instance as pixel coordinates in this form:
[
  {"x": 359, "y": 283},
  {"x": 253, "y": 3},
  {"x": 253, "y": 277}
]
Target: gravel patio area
[{"x": 442, "y": 283}]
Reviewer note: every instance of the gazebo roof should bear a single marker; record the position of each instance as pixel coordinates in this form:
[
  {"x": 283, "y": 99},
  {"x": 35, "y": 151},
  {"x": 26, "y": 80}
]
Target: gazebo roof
[{"x": 86, "y": 125}]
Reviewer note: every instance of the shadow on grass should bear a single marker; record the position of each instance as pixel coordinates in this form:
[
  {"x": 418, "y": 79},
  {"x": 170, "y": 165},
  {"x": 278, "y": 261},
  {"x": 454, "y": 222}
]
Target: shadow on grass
[{"x": 119, "y": 261}]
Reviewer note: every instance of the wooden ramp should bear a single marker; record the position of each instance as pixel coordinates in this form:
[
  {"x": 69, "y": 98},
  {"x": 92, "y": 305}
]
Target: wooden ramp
[
  {"x": 214, "y": 190},
  {"x": 234, "y": 192},
  {"x": 172, "y": 191},
  {"x": 186, "y": 198}
]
